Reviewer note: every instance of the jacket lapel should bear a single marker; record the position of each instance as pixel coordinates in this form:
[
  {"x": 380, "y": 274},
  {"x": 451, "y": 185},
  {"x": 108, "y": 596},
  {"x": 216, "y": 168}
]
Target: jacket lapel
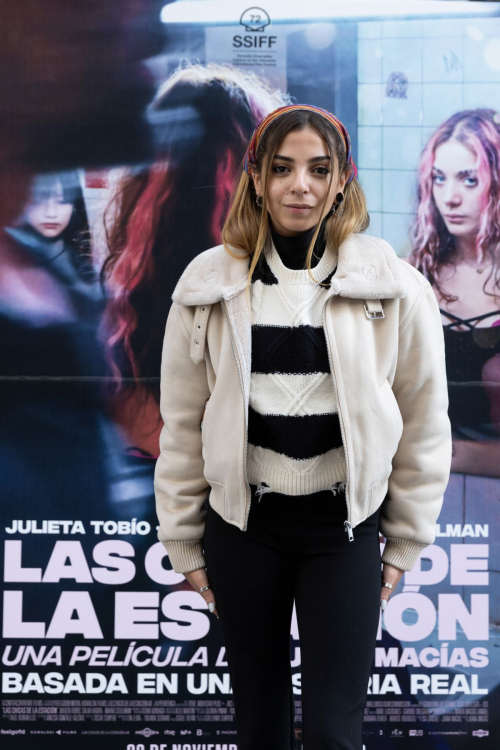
[{"x": 368, "y": 268}]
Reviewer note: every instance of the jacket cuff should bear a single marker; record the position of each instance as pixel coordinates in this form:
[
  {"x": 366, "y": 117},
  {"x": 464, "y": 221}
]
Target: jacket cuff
[
  {"x": 402, "y": 553},
  {"x": 185, "y": 555}
]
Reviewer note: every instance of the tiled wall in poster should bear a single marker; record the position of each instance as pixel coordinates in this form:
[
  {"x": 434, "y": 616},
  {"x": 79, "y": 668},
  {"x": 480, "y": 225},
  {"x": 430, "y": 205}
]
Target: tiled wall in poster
[{"x": 412, "y": 75}]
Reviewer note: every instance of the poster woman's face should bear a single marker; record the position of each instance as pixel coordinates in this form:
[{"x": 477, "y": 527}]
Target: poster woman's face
[
  {"x": 298, "y": 182},
  {"x": 456, "y": 189},
  {"x": 51, "y": 215}
]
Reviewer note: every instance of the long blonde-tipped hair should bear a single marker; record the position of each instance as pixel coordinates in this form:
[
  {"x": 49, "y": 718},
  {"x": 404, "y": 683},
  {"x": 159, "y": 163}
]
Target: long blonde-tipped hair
[{"x": 247, "y": 225}]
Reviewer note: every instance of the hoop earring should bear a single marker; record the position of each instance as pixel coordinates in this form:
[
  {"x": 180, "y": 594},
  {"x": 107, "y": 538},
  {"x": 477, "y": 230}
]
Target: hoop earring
[
  {"x": 338, "y": 208},
  {"x": 258, "y": 202}
]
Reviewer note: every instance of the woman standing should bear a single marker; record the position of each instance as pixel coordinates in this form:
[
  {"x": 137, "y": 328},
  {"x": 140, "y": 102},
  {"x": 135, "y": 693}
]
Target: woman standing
[{"x": 314, "y": 358}]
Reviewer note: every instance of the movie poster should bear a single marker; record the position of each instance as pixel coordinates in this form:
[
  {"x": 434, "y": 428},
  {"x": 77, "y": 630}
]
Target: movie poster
[{"x": 103, "y": 644}]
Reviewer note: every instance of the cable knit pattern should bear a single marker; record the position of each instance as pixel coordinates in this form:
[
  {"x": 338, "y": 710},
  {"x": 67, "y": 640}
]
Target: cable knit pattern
[{"x": 294, "y": 438}]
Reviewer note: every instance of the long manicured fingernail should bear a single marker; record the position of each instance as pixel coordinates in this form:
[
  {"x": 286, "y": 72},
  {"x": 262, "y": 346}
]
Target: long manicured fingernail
[
  {"x": 383, "y": 603},
  {"x": 211, "y": 606}
]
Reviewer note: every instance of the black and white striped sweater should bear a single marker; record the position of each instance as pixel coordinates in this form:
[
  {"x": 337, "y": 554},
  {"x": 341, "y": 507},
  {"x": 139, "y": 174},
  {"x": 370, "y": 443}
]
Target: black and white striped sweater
[{"x": 294, "y": 438}]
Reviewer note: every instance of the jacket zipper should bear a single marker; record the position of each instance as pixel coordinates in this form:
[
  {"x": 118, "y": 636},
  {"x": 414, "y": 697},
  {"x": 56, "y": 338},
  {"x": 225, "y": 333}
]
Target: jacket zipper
[
  {"x": 347, "y": 522},
  {"x": 334, "y": 372},
  {"x": 249, "y": 492}
]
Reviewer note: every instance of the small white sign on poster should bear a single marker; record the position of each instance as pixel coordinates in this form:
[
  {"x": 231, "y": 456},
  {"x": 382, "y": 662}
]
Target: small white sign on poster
[{"x": 254, "y": 44}]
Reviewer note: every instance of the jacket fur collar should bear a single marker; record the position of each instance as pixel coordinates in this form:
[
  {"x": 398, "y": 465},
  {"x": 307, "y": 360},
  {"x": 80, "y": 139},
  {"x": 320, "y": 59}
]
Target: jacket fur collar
[{"x": 368, "y": 268}]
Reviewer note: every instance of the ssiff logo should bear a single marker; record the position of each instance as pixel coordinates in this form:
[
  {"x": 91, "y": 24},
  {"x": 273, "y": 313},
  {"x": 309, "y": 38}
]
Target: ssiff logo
[{"x": 255, "y": 20}]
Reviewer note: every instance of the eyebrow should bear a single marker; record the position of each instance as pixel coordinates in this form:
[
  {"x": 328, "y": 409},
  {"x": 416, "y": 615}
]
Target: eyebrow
[
  {"x": 309, "y": 161},
  {"x": 462, "y": 173}
]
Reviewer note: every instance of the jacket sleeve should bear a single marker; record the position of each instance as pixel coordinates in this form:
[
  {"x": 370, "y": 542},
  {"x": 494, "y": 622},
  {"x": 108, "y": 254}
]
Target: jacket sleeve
[
  {"x": 422, "y": 463},
  {"x": 179, "y": 482}
]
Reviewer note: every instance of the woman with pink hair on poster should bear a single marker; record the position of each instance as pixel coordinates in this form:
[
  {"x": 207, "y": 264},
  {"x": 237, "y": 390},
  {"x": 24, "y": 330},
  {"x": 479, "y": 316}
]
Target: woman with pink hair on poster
[{"x": 455, "y": 243}]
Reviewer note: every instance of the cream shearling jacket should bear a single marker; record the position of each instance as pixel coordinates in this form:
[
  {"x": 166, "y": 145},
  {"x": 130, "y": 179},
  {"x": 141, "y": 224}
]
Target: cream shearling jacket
[{"x": 386, "y": 346}]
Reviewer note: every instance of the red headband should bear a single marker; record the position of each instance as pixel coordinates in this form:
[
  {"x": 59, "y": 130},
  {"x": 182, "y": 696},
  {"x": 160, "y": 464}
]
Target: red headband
[{"x": 272, "y": 116}]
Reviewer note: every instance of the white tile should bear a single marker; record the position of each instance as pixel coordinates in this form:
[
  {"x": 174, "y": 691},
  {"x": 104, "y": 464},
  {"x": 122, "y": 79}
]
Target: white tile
[
  {"x": 369, "y": 61},
  {"x": 482, "y": 60},
  {"x": 399, "y": 190},
  {"x": 443, "y": 60},
  {"x": 444, "y": 27},
  {"x": 369, "y": 104},
  {"x": 370, "y": 147},
  {"x": 405, "y": 109},
  {"x": 402, "y": 56},
  {"x": 396, "y": 231},
  {"x": 482, "y": 95},
  {"x": 402, "y": 29},
  {"x": 401, "y": 147},
  {"x": 427, "y": 134},
  {"x": 473, "y": 27},
  {"x": 375, "y": 228},
  {"x": 371, "y": 182},
  {"x": 369, "y": 30},
  {"x": 439, "y": 101}
]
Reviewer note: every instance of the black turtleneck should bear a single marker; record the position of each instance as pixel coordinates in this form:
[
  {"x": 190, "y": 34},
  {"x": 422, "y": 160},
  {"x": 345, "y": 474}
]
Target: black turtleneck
[{"x": 293, "y": 249}]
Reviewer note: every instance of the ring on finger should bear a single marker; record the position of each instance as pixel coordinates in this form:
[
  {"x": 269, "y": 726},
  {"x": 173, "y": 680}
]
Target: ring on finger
[
  {"x": 387, "y": 585},
  {"x": 204, "y": 588}
]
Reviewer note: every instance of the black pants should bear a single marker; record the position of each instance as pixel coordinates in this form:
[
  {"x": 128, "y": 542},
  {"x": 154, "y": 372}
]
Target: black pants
[{"x": 296, "y": 548}]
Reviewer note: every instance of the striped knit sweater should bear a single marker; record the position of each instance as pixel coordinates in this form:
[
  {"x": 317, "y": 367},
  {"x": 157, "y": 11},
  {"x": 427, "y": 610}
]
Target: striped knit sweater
[{"x": 294, "y": 438}]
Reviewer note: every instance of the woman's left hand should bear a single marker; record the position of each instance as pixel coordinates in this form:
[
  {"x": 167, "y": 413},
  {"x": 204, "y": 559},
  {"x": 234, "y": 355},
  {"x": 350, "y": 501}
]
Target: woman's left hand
[{"x": 393, "y": 575}]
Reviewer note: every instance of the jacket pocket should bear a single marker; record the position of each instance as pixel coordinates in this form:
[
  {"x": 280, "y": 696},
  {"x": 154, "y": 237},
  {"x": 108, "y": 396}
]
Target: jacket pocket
[
  {"x": 376, "y": 494},
  {"x": 203, "y": 429},
  {"x": 393, "y": 405},
  {"x": 203, "y": 414},
  {"x": 217, "y": 498},
  {"x": 203, "y": 417}
]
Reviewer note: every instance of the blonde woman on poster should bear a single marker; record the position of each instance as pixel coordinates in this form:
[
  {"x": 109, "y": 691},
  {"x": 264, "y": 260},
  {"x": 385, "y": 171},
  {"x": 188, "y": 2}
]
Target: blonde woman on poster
[
  {"x": 455, "y": 242},
  {"x": 303, "y": 390}
]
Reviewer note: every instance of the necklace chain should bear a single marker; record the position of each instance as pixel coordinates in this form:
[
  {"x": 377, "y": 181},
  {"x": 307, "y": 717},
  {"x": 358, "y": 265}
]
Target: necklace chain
[{"x": 478, "y": 270}]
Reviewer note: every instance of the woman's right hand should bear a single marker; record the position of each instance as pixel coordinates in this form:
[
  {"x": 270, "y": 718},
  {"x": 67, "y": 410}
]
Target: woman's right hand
[{"x": 198, "y": 578}]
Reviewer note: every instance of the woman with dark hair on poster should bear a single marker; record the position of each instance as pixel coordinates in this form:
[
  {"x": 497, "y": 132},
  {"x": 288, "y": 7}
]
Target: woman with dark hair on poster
[
  {"x": 455, "y": 244},
  {"x": 50, "y": 307},
  {"x": 161, "y": 216},
  {"x": 303, "y": 390},
  {"x": 54, "y": 221}
]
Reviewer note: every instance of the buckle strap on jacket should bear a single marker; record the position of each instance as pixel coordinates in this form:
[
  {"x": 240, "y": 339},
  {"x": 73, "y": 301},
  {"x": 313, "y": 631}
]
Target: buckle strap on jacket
[
  {"x": 199, "y": 333},
  {"x": 374, "y": 309}
]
